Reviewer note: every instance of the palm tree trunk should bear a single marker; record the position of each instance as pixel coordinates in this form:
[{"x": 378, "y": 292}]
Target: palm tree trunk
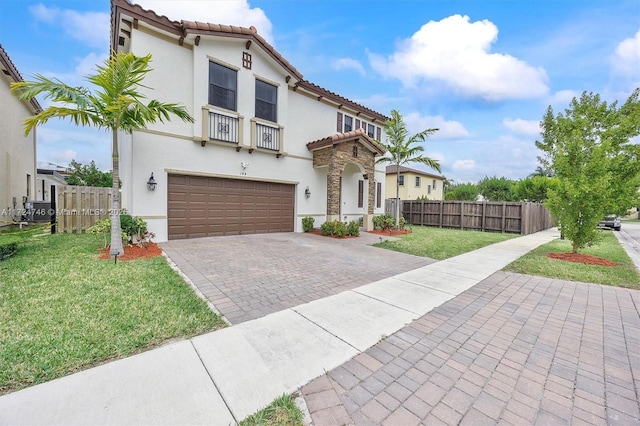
[
  {"x": 116, "y": 238},
  {"x": 397, "y": 195}
]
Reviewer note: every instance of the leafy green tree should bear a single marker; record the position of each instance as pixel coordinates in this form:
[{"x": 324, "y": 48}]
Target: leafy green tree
[
  {"x": 542, "y": 171},
  {"x": 402, "y": 149},
  {"x": 497, "y": 188},
  {"x": 116, "y": 105},
  {"x": 534, "y": 188},
  {"x": 88, "y": 175},
  {"x": 589, "y": 149},
  {"x": 462, "y": 192}
]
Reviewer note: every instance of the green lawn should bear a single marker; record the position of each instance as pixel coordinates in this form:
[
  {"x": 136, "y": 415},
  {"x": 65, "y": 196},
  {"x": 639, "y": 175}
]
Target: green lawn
[
  {"x": 281, "y": 412},
  {"x": 62, "y": 309},
  {"x": 537, "y": 263},
  {"x": 442, "y": 243}
]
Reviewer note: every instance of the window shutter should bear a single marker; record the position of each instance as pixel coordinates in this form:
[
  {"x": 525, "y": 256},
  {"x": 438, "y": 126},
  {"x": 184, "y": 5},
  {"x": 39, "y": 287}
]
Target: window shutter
[
  {"x": 360, "y": 193},
  {"x": 379, "y": 133},
  {"x": 379, "y": 194},
  {"x": 339, "y": 126}
]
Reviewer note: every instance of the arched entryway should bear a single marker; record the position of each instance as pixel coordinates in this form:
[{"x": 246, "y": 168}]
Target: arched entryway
[{"x": 352, "y": 149}]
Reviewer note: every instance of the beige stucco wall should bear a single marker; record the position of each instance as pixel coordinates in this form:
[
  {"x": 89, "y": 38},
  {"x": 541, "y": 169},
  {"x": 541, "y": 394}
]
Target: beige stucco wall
[
  {"x": 17, "y": 153},
  {"x": 409, "y": 191}
]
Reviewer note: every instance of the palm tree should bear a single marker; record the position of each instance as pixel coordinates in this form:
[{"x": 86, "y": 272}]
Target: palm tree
[
  {"x": 116, "y": 105},
  {"x": 402, "y": 149}
]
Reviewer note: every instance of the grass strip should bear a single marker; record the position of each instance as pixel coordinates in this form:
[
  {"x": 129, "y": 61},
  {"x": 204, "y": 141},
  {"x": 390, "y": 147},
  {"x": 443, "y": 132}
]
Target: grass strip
[
  {"x": 281, "y": 412},
  {"x": 442, "y": 243},
  {"x": 538, "y": 263},
  {"x": 62, "y": 309}
]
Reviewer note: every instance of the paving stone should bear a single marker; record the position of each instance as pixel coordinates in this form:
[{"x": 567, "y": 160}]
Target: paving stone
[
  {"x": 417, "y": 406},
  {"x": 337, "y": 416},
  {"x": 321, "y": 400},
  {"x": 375, "y": 411},
  {"x": 476, "y": 418},
  {"x": 401, "y": 416}
]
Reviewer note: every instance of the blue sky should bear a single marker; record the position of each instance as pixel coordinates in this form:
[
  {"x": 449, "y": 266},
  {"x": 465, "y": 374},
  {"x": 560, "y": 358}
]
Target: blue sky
[{"x": 483, "y": 72}]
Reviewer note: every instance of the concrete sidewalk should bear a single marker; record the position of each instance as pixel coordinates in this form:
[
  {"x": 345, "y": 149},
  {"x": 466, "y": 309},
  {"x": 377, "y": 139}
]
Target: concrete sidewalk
[{"x": 226, "y": 375}]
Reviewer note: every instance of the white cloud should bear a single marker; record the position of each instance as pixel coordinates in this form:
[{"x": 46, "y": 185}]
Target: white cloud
[
  {"x": 90, "y": 28},
  {"x": 562, "y": 98},
  {"x": 627, "y": 56},
  {"x": 63, "y": 157},
  {"x": 463, "y": 165},
  {"x": 447, "y": 129},
  {"x": 525, "y": 127},
  {"x": 348, "y": 63},
  {"x": 458, "y": 52},
  {"x": 238, "y": 13}
]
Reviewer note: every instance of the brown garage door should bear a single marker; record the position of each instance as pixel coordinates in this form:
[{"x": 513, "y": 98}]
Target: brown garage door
[{"x": 207, "y": 206}]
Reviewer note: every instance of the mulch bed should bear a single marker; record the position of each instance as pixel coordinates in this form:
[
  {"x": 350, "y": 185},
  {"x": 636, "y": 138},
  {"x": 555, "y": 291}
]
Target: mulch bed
[
  {"x": 135, "y": 252},
  {"x": 390, "y": 233},
  {"x": 582, "y": 258}
]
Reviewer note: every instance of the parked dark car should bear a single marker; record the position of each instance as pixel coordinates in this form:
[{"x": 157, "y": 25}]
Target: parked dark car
[{"x": 610, "y": 221}]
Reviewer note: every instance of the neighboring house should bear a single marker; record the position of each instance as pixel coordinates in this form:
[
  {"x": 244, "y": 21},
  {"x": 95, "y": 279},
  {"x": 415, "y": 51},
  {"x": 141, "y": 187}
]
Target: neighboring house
[
  {"x": 17, "y": 152},
  {"x": 414, "y": 184},
  {"x": 267, "y": 147},
  {"x": 49, "y": 175}
]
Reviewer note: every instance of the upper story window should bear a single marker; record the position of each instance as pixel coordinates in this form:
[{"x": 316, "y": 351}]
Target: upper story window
[
  {"x": 434, "y": 184},
  {"x": 417, "y": 181},
  {"x": 266, "y": 101},
  {"x": 371, "y": 130},
  {"x": 428, "y": 189},
  {"x": 348, "y": 123},
  {"x": 401, "y": 180},
  {"x": 223, "y": 84}
]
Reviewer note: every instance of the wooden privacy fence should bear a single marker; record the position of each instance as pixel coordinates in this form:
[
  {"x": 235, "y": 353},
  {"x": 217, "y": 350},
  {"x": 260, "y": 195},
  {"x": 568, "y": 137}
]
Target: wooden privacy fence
[
  {"x": 80, "y": 207},
  {"x": 519, "y": 218}
]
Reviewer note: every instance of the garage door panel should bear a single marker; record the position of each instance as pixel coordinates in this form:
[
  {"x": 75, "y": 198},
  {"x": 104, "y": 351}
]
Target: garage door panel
[{"x": 200, "y": 206}]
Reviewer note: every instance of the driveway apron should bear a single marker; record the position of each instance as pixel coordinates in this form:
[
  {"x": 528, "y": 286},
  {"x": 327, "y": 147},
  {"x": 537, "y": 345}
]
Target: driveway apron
[
  {"x": 513, "y": 349},
  {"x": 249, "y": 276}
]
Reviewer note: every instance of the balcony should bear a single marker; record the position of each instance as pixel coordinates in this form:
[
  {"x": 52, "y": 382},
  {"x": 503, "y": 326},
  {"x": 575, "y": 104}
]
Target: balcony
[
  {"x": 223, "y": 127},
  {"x": 267, "y": 137}
]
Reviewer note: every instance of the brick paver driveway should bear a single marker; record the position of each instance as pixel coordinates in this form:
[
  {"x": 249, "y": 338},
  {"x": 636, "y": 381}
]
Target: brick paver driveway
[
  {"x": 249, "y": 276},
  {"x": 514, "y": 349}
]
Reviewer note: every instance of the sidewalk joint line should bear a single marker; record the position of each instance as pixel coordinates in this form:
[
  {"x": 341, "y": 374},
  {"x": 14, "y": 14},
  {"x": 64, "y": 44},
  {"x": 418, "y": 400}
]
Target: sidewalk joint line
[
  {"x": 387, "y": 303},
  {"x": 322, "y": 328},
  {"x": 214, "y": 382}
]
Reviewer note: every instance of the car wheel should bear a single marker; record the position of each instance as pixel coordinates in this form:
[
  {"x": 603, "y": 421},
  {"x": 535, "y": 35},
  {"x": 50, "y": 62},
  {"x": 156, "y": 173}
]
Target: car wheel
[{"x": 617, "y": 228}]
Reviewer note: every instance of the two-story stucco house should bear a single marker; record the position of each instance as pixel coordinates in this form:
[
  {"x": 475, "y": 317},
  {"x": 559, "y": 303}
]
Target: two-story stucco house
[
  {"x": 414, "y": 184},
  {"x": 267, "y": 147},
  {"x": 17, "y": 152}
]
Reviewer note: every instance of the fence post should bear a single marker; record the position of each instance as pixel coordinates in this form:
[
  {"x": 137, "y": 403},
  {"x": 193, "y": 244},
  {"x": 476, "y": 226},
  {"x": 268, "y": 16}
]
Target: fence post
[
  {"x": 441, "y": 208},
  {"x": 504, "y": 216},
  {"x": 462, "y": 215}
]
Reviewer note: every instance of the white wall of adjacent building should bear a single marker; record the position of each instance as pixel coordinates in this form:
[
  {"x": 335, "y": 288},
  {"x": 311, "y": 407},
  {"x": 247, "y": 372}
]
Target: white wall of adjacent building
[{"x": 17, "y": 153}]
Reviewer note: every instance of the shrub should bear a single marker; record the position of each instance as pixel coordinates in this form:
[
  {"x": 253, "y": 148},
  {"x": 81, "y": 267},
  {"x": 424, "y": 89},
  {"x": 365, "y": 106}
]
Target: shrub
[
  {"x": 380, "y": 221},
  {"x": 402, "y": 222},
  {"x": 340, "y": 229},
  {"x": 8, "y": 246},
  {"x": 353, "y": 228},
  {"x": 307, "y": 224},
  {"x": 328, "y": 228},
  {"x": 130, "y": 227}
]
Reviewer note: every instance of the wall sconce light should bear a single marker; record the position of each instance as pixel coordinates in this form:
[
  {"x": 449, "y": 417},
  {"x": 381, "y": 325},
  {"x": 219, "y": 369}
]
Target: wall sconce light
[
  {"x": 151, "y": 183},
  {"x": 307, "y": 192}
]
